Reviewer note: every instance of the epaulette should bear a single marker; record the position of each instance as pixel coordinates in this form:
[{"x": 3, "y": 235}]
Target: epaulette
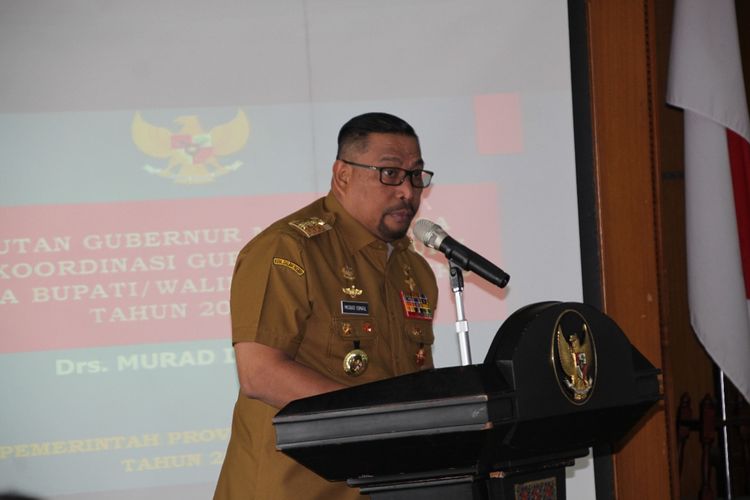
[{"x": 311, "y": 226}]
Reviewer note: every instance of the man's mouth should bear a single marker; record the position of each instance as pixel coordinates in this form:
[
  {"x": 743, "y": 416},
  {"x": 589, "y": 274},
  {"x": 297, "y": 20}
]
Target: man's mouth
[{"x": 402, "y": 214}]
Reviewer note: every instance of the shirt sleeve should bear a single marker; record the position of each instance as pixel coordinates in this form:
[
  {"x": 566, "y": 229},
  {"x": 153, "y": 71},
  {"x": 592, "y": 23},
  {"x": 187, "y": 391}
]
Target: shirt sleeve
[{"x": 269, "y": 297}]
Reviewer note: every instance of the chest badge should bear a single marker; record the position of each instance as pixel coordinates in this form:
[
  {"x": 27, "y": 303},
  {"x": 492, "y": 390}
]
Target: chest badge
[
  {"x": 416, "y": 306},
  {"x": 421, "y": 356},
  {"x": 356, "y": 361},
  {"x": 347, "y": 272},
  {"x": 408, "y": 279}
]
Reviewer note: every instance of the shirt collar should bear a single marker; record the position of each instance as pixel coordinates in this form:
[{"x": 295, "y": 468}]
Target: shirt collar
[{"x": 355, "y": 234}]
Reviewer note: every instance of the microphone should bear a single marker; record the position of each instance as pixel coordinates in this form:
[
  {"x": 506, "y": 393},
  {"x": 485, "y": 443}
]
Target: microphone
[{"x": 435, "y": 237}]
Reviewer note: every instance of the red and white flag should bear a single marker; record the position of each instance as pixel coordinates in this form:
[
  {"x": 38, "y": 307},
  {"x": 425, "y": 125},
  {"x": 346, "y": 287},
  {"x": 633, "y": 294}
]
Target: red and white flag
[{"x": 705, "y": 80}]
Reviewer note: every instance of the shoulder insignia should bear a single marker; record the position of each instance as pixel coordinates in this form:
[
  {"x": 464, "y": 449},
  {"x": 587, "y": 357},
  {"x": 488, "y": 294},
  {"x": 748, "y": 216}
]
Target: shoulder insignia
[
  {"x": 312, "y": 226},
  {"x": 278, "y": 261}
]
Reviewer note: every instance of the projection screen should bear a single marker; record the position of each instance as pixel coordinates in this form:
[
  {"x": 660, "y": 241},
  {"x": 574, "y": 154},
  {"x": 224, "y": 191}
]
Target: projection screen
[{"x": 145, "y": 142}]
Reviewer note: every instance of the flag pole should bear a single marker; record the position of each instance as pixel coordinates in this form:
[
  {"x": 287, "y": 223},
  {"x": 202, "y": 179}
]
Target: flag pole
[{"x": 725, "y": 435}]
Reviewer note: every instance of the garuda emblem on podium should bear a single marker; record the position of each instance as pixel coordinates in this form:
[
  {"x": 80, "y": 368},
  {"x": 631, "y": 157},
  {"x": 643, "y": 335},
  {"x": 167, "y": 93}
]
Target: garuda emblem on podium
[{"x": 574, "y": 357}]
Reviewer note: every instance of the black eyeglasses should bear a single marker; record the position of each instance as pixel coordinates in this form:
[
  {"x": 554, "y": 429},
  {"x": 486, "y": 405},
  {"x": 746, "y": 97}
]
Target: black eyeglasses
[{"x": 394, "y": 176}]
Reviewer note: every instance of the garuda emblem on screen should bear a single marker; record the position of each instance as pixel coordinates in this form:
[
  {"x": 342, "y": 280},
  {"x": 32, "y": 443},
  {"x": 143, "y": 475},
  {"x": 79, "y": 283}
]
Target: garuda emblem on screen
[
  {"x": 574, "y": 357},
  {"x": 192, "y": 155}
]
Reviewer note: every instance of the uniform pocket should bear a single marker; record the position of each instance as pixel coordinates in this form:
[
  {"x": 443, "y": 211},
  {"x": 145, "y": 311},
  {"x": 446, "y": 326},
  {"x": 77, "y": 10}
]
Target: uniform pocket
[
  {"x": 420, "y": 339},
  {"x": 351, "y": 342}
]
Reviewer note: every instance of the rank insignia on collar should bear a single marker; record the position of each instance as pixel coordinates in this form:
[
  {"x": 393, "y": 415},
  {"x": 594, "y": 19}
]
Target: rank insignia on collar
[
  {"x": 416, "y": 306},
  {"x": 311, "y": 227}
]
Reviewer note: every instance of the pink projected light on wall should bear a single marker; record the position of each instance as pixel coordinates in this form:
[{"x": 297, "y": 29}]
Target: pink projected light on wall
[{"x": 499, "y": 127}]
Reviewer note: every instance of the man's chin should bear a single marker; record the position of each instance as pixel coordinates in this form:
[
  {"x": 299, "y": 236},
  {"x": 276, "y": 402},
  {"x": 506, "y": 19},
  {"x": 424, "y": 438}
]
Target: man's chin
[{"x": 394, "y": 231}]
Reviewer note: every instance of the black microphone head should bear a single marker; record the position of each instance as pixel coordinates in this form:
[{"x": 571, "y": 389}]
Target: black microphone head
[{"x": 429, "y": 233}]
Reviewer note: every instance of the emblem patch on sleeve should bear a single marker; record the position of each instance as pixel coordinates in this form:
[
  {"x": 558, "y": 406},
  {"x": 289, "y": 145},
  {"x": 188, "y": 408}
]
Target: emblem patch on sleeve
[{"x": 278, "y": 261}]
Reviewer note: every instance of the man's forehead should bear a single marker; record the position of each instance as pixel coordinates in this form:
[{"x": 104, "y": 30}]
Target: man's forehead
[{"x": 392, "y": 144}]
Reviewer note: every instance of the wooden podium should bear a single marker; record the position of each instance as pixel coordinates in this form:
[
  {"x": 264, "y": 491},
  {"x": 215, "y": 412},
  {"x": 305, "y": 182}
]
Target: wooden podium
[{"x": 558, "y": 378}]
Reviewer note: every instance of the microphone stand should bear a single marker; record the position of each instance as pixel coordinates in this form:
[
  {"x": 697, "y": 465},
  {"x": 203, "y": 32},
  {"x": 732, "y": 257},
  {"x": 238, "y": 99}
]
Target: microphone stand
[{"x": 462, "y": 326}]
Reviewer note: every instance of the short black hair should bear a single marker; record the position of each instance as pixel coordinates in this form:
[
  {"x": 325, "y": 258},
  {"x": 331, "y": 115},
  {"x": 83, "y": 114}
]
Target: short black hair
[{"x": 355, "y": 131}]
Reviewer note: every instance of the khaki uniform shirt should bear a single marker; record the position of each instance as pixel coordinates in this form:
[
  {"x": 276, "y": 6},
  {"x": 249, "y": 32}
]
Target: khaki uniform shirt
[{"x": 288, "y": 293}]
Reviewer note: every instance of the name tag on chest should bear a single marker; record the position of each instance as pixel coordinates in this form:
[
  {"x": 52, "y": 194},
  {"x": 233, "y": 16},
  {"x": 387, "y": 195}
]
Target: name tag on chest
[{"x": 355, "y": 307}]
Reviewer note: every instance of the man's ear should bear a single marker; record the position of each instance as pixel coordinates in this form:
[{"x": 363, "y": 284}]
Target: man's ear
[{"x": 342, "y": 174}]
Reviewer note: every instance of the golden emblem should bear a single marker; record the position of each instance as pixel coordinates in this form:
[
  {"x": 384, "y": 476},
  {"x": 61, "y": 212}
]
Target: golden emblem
[
  {"x": 312, "y": 226},
  {"x": 420, "y": 357},
  {"x": 348, "y": 273},
  {"x": 575, "y": 351},
  {"x": 352, "y": 291},
  {"x": 355, "y": 362},
  {"x": 346, "y": 329},
  {"x": 192, "y": 154},
  {"x": 408, "y": 279}
]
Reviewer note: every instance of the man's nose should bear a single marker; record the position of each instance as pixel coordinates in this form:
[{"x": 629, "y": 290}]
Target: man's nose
[{"x": 406, "y": 190}]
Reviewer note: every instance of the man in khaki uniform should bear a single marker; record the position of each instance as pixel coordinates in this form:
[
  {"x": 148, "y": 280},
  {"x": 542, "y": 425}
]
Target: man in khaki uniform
[{"x": 329, "y": 297}]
